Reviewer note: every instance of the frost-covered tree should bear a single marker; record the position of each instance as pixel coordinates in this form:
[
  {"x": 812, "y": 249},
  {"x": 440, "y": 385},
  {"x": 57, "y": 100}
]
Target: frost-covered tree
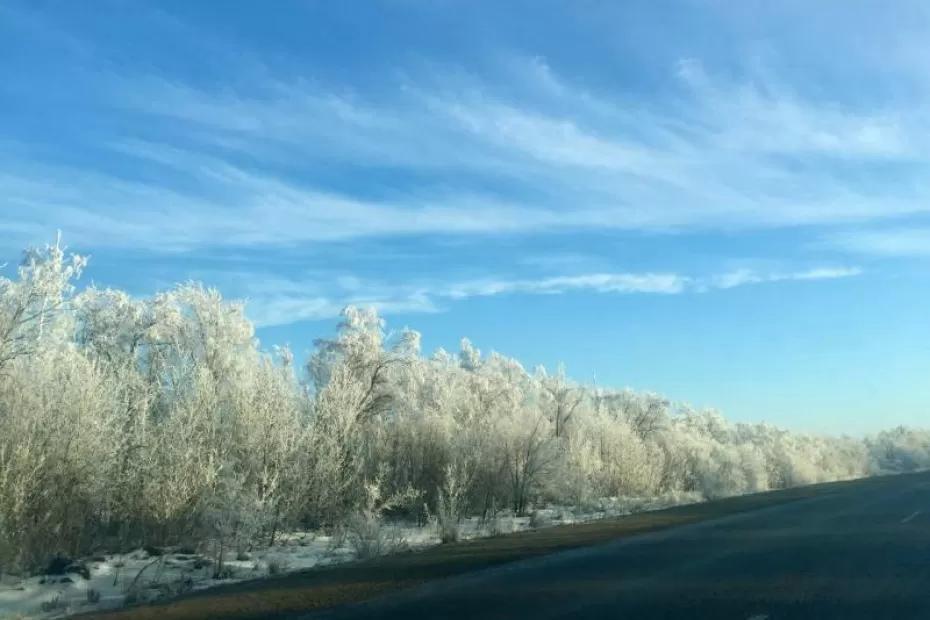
[
  {"x": 33, "y": 306},
  {"x": 127, "y": 421},
  {"x": 561, "y": 399}
]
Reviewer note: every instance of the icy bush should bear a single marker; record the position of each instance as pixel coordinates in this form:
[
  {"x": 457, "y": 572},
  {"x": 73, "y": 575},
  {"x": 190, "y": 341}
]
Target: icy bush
[{"x": 368, "y": 533}]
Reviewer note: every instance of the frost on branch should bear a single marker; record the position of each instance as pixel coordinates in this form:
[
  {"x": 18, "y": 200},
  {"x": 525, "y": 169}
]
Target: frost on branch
[{"x": 31, "y": 306}]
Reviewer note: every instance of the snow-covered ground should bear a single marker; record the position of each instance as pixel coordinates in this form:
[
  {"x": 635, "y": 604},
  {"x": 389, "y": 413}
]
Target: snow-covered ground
[{"x": 118, "y": 579}]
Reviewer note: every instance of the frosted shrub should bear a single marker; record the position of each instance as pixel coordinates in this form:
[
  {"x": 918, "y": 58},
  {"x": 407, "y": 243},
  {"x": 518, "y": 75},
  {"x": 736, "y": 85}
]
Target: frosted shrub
[
  {"x": 529, "y": 456},
  {"x": 900, "y": 449},
  {"x": 451, "y": 504},
  {"x": 539, "y": 519},
  {"x": 55, "y": 451},
  {"x": 229, "y": 520},
  {"x": 334, "y": 452},
  {"x": 34, "y": 307},
  {"x": 368, "y": 534},
  {"x": 572, "y": 480}
]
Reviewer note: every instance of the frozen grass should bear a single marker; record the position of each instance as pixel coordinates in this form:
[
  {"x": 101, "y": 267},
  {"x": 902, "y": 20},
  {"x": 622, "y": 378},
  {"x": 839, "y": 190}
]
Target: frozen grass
[
  {"x": 308, "y": 570},
  {"x": 343, "y": 583},
  {"x": 137, "y": 577},
  {"x": 317, "y": 573}
]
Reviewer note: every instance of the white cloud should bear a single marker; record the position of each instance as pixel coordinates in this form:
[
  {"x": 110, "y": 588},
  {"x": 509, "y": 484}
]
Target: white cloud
[
  {"x": 743, "y": 277},
  {"x": 822, "y": 273},
  {"x": 242, "y": 208},
  {"x": 891, "y": 242},
  {"x": 284, "y": 310},
  {"x": 667, "y": 283},
  {"x": 764, "y": 115},
  {"x": 275, "y": 301},
  {"x": 237, "y": 168}
]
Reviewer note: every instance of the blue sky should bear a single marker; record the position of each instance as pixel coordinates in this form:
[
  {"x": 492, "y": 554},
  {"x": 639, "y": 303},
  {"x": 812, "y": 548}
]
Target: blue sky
[{"x": 723, "y": 202}]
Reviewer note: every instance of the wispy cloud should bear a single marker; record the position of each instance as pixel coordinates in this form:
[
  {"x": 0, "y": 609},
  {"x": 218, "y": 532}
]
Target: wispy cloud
[
  {"x": 467, "y": 158},
  {"x": 668, "y": 283},
  {"x": 239, "y": 207},
  {"x": 764, "y": 115},
  {"x": 742, "y": 277},
  {"x": 275, "y": 301},
  {"x": 889, "y": 242},
  {"x": 288, "y": 309}
]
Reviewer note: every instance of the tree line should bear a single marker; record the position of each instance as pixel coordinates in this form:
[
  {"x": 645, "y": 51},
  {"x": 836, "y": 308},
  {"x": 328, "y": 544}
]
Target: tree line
[{"x": 127, "y": 422}]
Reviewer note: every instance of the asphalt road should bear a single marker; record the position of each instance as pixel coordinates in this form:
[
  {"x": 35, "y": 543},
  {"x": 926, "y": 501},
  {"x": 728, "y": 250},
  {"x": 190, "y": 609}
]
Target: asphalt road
[{"x": 862, "y": 551}]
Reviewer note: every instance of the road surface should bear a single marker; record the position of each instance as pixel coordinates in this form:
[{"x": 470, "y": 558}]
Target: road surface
[{"x": 862, "y": 551}]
